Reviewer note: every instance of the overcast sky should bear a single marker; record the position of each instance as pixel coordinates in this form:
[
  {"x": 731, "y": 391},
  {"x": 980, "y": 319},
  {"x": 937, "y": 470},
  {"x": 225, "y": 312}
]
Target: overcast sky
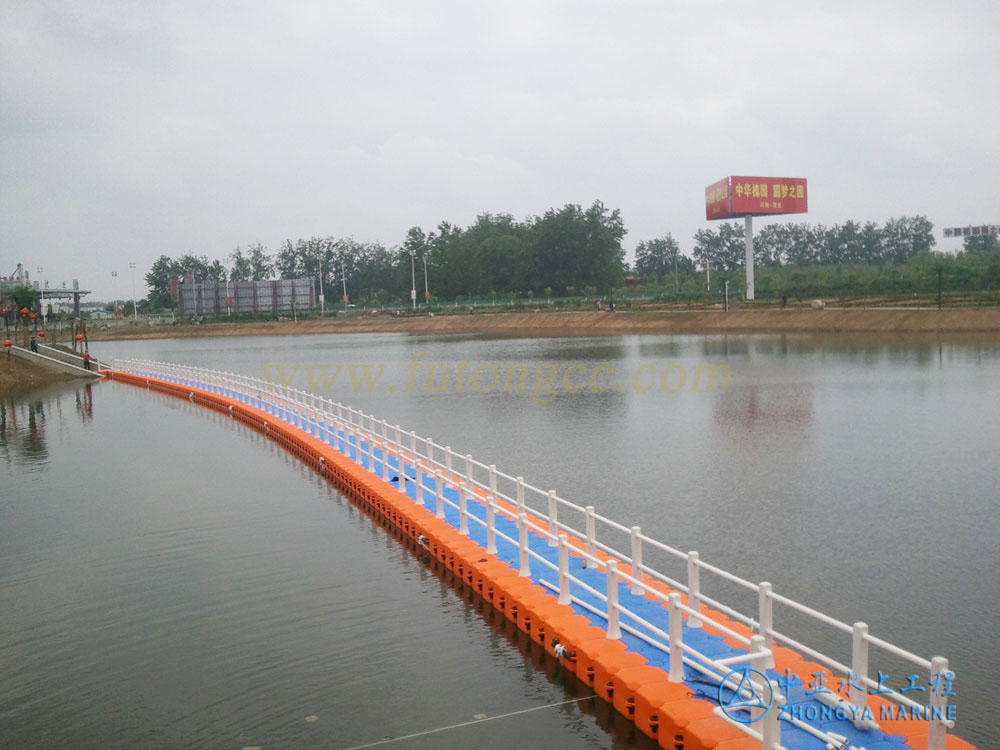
[{"x": 134, "y": 129}]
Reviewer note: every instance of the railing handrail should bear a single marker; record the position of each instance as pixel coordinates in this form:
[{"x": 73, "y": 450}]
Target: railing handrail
[{"x": 514, "y": 505}]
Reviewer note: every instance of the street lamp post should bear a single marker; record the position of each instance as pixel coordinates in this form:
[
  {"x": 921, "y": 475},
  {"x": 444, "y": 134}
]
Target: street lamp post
[
  {"x": 322, "y": 299},
  {"x": 41, "y": 298},
  {"x": 343, "y": 278},
  {"x": 114, "y": 294},
  {"x": 135, "y": 302},
  {"x": 413, "y": 280},
  {"x": 427, "y": 294}
]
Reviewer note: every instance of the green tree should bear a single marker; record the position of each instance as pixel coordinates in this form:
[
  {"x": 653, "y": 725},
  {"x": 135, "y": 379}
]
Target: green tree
[
  {"x": 23, "y": 296},
  {"x": 906, "y": 237},
  {"x": 197, "y": 265},
  {"x": 216, "y": 271},
  {"x": 240, "y": 269},
  {"x": 725, "y": 249},
  {"x": 577, "y": 248},
  {"x": 985, "y": 243},
  {"x": 660, "y": 257},
  {"x": 158, "y": 282},
  {"x": 261, "y": 264}
]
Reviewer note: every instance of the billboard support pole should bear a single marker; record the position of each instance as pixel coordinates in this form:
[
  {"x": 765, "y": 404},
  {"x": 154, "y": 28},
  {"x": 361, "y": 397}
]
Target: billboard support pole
[{"x": 748, "y": 234}]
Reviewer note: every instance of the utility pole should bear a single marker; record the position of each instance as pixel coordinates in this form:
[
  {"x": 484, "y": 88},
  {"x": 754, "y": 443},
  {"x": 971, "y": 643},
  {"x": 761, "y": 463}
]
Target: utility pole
[
  {"x": 427, "y": 294},
  {"x": 41, "y": 297},
  {"x": 135, "y": 302},
  {"x": 343, "y": 278},
  {"x": 413, "y": 280},
  {"x": 322, "y": 299}
]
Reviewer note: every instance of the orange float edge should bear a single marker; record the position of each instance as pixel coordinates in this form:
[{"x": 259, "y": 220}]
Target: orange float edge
[{"x": 664, "y": 711}]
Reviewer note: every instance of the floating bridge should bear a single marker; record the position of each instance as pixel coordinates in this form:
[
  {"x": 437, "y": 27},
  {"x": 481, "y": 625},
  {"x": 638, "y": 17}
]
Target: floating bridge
[{"x": 692, "y": 672}]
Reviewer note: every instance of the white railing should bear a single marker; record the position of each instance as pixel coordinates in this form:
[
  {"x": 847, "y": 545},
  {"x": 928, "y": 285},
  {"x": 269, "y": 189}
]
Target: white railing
[{"x": 506, "y": 496}]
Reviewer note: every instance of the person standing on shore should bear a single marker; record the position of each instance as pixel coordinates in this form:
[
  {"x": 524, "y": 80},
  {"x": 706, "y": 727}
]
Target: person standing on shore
[{"x": 86, "y": 360}]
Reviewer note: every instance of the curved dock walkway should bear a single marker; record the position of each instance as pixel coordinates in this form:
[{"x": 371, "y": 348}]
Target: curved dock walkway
[{"x": 691, "y": 672}]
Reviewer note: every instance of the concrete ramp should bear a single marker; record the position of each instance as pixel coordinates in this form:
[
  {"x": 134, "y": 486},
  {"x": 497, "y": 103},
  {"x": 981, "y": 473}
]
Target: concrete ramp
[
  {"x": 52, "y": 363},
  {"x": 71, "y": 358}
]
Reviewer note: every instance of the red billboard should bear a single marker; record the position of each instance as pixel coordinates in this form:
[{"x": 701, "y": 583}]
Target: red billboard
[
  {"x": 717, "y": 200},
  {"x": 734, "y": 197}
]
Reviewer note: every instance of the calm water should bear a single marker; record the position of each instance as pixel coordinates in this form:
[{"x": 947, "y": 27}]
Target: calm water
[{"x": 170, "y": 578}]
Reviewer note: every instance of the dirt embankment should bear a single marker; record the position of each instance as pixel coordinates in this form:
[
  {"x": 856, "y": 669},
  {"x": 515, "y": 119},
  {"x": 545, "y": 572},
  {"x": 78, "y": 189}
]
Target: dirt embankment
[
  {"x": 18, "y": 376},
  {"x": 981, "y": 321}
]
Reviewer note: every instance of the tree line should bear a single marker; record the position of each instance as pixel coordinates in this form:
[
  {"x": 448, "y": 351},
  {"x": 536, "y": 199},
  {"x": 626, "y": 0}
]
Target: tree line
[{"x": 566, "y": 251}]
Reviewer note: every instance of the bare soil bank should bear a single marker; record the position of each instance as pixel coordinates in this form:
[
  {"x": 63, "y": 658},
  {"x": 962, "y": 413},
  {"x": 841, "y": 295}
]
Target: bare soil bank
[
  {"x": 18, "y": 375},
  {"x": 981, "y": 321}
]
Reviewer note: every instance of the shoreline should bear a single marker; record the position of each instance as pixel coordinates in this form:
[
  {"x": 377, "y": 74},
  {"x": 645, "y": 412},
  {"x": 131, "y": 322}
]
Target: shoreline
[
  {"x": 527, "y": 324},
  {"x": 19, "y": 376}
]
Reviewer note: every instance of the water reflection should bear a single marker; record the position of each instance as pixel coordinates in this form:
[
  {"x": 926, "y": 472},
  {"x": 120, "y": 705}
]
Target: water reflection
[
  {"x": 755, "y": 408},
  {"x": 85, "y": 403},
  {"x": 22, "y": 432},
  {"x": 27, "y": 423}
]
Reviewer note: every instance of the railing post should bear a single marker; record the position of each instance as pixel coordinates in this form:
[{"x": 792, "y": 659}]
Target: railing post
[
  {"x": 439, "y": 493},
  {"x": 564, "y": 596},
  {"x": 430, "y": 453},
  {"x": 694, "y": 589},
  {"x": 447, "y": 462},
  {"x": 611, "y": 573},
  {"x": 491, "y": 527},
  {"x": 938, "y": 703},
  {"x": 385, "y": 457},
  {"x": 522, "y": 528},
  {"x": 413, "y": 455},
  {"x": 553, "y": 519},
  {"x": 493, "y": 480},
  {"x": 591, "y": 530},
  {"x": 859, "y": 666},
  {"x": 468, "y": 471},
  {"x": 463, "y": 511},
  {"x": 771, "y": 723},
  {"x": 637, "y": 588},
  {"x": 756, "y": 646},
  {"x": 387, "y": 441},
  {"x": 765, "y": 619},
  {"x": 674, "y": 624},
  {"x": 418, "y": 476},
  {"x": 385, "y": 466},
  {"x": 520, "y": 495}
]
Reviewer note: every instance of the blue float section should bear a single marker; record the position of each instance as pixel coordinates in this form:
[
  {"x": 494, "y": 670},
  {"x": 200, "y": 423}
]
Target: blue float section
[{"x": 801, "y": 703}]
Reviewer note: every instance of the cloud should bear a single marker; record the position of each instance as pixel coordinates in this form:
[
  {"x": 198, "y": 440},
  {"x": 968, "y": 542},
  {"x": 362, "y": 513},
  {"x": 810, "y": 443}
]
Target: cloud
[{"x": 133, "y": 129}]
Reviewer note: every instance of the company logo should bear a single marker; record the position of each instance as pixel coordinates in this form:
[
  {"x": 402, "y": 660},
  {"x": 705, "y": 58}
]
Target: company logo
[{"x": 753, "y": 690}]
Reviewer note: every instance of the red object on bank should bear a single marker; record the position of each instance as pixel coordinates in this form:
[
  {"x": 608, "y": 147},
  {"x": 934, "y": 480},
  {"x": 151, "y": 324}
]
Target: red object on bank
[
  {"x": 8, "y": 343},
  {"x": 79, "y": 337}
]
